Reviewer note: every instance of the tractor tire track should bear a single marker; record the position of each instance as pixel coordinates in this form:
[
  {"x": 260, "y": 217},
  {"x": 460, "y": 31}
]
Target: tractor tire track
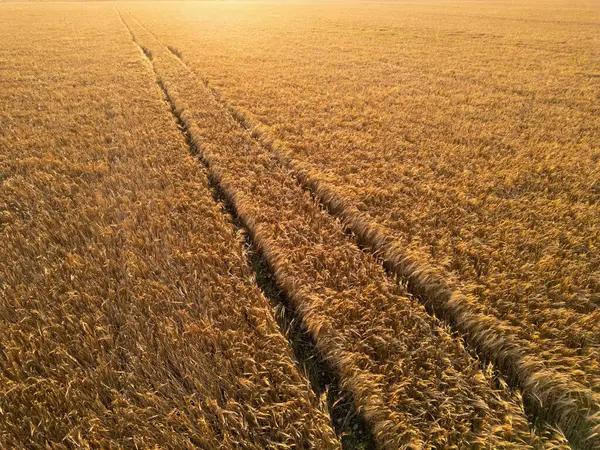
[
  {"x": 349, "y": 425},
  {"x": 548, "y": 395}
]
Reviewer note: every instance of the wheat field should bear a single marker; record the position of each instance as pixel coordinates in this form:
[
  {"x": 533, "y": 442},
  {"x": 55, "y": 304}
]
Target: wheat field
[{"x": 300, "y": 224}]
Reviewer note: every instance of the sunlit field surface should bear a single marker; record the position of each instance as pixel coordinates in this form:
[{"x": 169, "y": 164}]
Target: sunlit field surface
[{"x": 419, "y": 181}]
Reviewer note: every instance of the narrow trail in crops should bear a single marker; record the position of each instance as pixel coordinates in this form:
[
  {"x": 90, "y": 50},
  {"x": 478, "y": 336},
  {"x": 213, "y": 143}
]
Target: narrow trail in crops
[
  {"x": 548, "y": 396},
  {"x": 350, "y": 426}
]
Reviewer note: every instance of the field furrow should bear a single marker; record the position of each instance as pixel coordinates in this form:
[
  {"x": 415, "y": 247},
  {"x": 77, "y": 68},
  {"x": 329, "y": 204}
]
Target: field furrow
[
  {"x": 129, "y": 314},
  {"x": 452, "y": 149},
  {"x": 294, "y": 224},
  {"x": 411, "y": 378},
  {"x": 348, "y": 424},
  {"x": 549, "y": 394}
]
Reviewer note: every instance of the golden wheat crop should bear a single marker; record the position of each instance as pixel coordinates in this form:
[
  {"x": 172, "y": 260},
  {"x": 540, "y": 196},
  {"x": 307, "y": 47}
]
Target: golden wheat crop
[
  {"x": 129, "y": 316},
  {"x": 459, "y": 142},
  {"x": 411, "y": 379},
  {"x": 421, "y": 178}
]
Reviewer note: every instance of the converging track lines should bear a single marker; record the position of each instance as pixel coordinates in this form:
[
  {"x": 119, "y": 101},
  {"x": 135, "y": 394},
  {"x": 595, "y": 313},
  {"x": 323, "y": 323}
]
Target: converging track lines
[
  {"x": 348, "y": 424},
  {"x": 286, "y": 225},
  {"x": 549, "y": 395},
  {"x": 129, "y": 313},
  {"x": 375, "y": 336}
]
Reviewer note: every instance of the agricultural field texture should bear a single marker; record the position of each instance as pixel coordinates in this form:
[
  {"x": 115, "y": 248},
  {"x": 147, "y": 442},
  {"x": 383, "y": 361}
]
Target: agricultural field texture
[{"x": 300, "y": 224}]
